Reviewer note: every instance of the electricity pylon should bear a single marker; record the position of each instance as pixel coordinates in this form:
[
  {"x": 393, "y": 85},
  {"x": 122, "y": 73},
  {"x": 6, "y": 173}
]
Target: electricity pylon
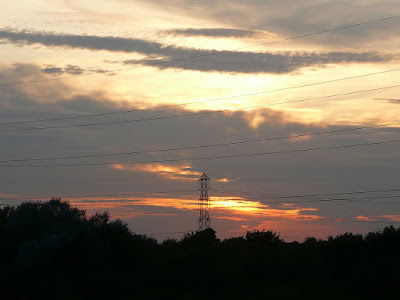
[{"x": 204, "y": 202}]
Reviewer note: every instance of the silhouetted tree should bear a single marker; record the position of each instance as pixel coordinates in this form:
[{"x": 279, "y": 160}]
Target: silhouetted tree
[
  {"x": 205, "y": 238},
  {"x": 263, "y": 238}
]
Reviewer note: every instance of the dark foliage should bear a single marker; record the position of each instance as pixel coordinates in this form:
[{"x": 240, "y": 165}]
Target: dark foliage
[{"x": 52, "y": 250}]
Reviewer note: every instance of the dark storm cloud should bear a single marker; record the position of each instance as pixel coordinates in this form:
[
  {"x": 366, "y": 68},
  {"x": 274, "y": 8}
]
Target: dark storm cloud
[
  {"x": 225, "y": 61},
  {"x": 216, "y": 32}
]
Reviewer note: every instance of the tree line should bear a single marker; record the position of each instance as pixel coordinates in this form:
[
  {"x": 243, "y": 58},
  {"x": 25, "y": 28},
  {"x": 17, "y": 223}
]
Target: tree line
[{"x": 51, "y": 249}]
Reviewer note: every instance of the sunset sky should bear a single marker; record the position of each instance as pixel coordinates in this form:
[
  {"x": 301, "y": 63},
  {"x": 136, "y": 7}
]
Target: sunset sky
[{"x": 292, "y": 108}]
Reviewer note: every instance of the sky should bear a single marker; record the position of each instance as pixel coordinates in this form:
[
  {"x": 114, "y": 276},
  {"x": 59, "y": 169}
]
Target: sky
[{"x": 290, "y": 107}]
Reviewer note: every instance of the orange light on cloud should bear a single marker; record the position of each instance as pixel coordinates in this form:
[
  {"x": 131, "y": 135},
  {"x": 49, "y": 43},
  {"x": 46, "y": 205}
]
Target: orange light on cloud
[
  {"x": 237, "y": 209},
  {"x": 169, "y": 171},
  {"x": 296, "y": 138},
  {"x": 223, "y": 180},
  {"x": 231, "y": 218},
  {"x": 177, "y": 172},
  {"x": 392, "y": 217},
  {"x": 244, "y": 207},
  {"x": 364, "y": 218}
]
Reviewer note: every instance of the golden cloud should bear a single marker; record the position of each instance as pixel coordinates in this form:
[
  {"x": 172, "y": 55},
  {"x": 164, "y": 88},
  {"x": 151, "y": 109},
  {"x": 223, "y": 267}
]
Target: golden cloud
[
  {"x": 364, "y": 218},
  {"x": 238, "y": 209},
  {"x": 169, "y": 171},
  {"x": 297, "y": 138},
  {"x": 173, "y": 172}
]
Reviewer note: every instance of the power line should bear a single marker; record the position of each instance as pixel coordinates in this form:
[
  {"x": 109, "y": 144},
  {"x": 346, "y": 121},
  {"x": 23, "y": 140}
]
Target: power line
[
  {"x": 198, "y": 146},
  {"x": 102, "y": 195},
  {"x": 80, "y": 180},
  {"x": 225, "y": 191},
  {"x": 211, "y": 53},
  {"x": 101, "y": 179},
  {"x": 196, "y": 102},
  {"x": 197, "y": 113},
  {"x": 339, "y": 199},
  {"x": 274, "y": 180},
  {"x": 259, "y": 200},
  {"x": 361, "y": 200},
  {"x": 206, "y": 158},
  {"x": 232, "y": 198}
]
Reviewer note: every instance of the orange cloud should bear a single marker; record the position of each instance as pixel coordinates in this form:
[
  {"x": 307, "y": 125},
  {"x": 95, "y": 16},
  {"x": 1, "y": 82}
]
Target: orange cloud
[
  {"x": 169, "y": 171},
  {"x": 363, "y": 218},
  {"x": 238, "y": 209},
  {"x": 137, "y": 214},
  {"x": 339, "y": 220},
  {"x": 392, "y": 217},
  {"x": 244, "y": 207},
  {"x": 297, "y": 138},
  {"x": 177, "y": 172},
  {"x": 224, "y": 180},
  {"x": 230, "y": 218}
]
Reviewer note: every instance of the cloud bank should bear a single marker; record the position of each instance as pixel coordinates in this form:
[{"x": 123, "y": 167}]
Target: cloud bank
[
  {"x": 159, "y": 55},
  {"x": 291, "y": 18}
]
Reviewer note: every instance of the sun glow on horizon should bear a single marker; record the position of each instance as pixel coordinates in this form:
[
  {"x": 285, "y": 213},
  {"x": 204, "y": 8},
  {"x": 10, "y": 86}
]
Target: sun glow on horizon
[{"x": 234, "y": 208}]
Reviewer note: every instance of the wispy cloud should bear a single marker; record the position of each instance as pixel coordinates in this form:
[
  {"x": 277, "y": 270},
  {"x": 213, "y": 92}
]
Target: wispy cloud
[
  {"x": 226, "y": 61},
  {"x": 222, "y": 207},
  {"x": 365, "y": 219},
  {"x": 260, "y": 62},
  {"x": 69, "y": 69},
  {"x": 390, "y": 100},
  {"x": 169, "y": 171},
  {"x": 172, "y": 172},
  {"x": 291, "y": 18},
  {"x": 393, "y": 218},
  {"x": 296, "y": 138},
  {"x": 218, "y": 32}
]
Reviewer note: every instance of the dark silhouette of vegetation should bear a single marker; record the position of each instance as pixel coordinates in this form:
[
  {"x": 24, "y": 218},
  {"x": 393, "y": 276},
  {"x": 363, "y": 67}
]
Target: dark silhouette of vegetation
[{"x": 52, "y": 250}]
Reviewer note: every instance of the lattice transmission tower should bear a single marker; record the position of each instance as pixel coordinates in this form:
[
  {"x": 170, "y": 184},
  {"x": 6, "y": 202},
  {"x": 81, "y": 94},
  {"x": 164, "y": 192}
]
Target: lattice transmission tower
[{"x": 204, "y": 203}]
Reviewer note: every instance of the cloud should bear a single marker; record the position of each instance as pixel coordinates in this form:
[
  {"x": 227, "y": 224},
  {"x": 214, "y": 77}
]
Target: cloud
[
  {"x": 296, "y": 138},
  {"x": 172, "y": 172},
  {"x": 365, "y": 219},
  {"x": 393, "y": 218},
  {"x": 291, "y": 18},
  {"x": 177, "y": 172},
  {"x": 72, "y": 70},
  {"x": 266, "y": 62},
  {"x": 390, "y": 100},
  {"x": 53, "y": 70},
  {"x": 158, "y": 54},
  {"x": 218, "y": 33},
  {"x": 237, "y": 219},
  {"x": 109, "y": 43},
  {"x": 69, "y": 69}
]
